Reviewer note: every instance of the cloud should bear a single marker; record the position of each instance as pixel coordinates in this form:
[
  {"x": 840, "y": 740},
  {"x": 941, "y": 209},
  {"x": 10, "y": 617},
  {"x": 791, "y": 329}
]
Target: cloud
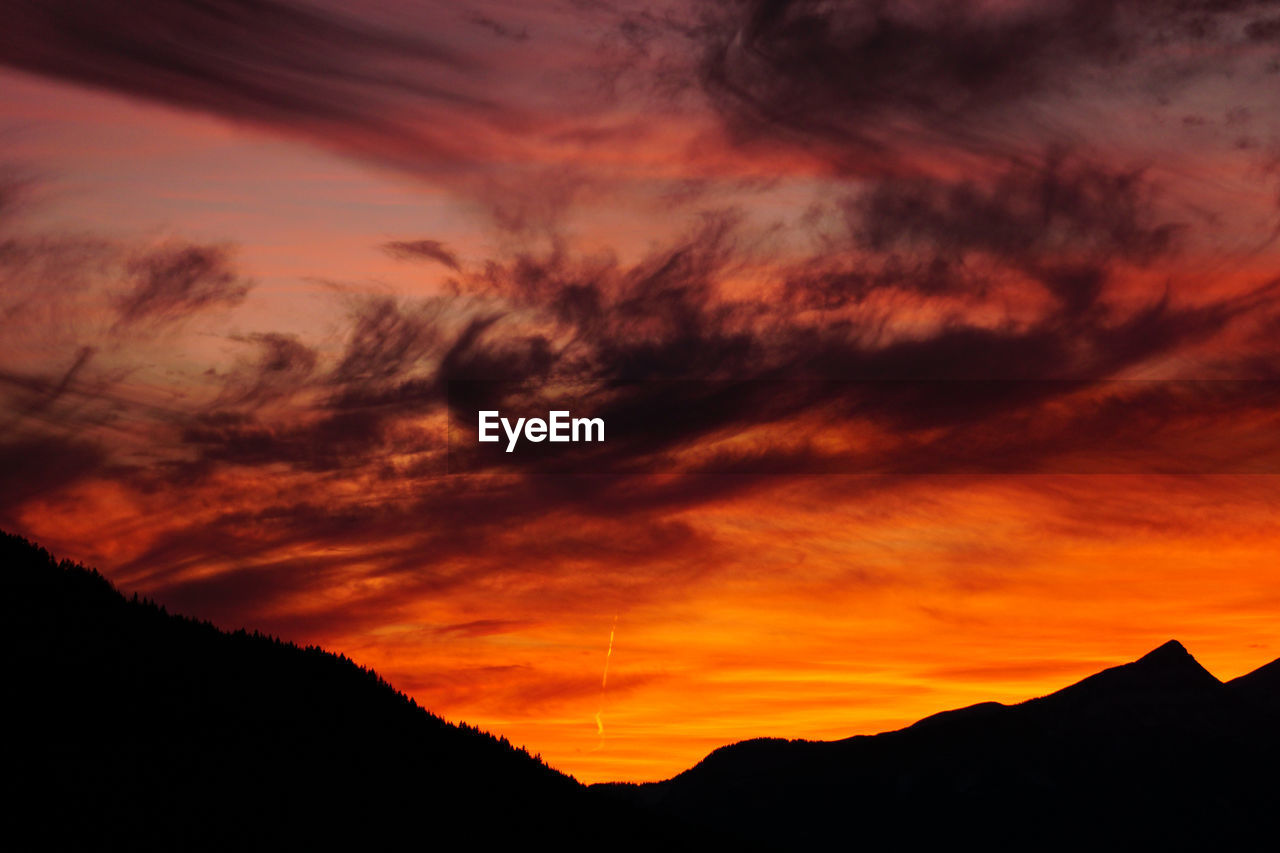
[
  {"x": 694, "y": 373},
  {"x": 1060, "y": 221},
  {"x": 868, "y": 83},
  {"x": 385, "y": 340},
  {"x": 77, "y": 312},
  {"x": 694, "y": 379},
  {"x": 290, "y": 66},
  {"x": 1265, "y": 29},
  {"x": 414, "y": 543},
  {"x": 173, "y": 281},
  {"x": 982, "y": 272},
  {"x": 666, "y": 354},
  {"x": 11, "y": 189},
  {"x": 432, "y": 250},
  {"x": 481, "y": 627},
  {"x": 498, "y": 28},
  {"x": 283, "y": 367},
  {"x": 1063, "y": 221},
  {"x": 35, "y": 466},
  {"x": 683, "y": 369},
  {"x": 44, "y": 392}
]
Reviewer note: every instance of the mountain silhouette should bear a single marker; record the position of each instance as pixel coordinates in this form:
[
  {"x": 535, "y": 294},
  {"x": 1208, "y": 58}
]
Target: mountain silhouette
[
  {"x": 130, "y": 728},
  {"x": 1259, "y": 689},
  {"x": 1156, "y": 754}
]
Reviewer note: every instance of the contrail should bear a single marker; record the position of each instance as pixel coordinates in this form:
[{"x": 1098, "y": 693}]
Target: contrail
[{"x": 604, "y": 680}]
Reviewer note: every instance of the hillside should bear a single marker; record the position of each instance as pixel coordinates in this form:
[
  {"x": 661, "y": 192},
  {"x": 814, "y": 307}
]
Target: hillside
[
  {"x": 1155, "y": 754},
  {"x": 133, "y": 728}
]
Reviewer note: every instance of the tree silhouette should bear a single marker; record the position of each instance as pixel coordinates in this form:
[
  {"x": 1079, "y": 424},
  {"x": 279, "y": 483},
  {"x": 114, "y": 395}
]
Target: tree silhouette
[{"x": 132, "y": 728}]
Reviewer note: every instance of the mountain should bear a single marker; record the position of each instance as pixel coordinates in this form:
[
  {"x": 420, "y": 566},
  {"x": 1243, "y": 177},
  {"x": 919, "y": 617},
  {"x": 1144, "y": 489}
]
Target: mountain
[
  {"x": 1259, "y": 689},
  {"x": 1156, "y": 754},
  {"x": 131, "y": 728},
  {"x": 128, "y": 727}
]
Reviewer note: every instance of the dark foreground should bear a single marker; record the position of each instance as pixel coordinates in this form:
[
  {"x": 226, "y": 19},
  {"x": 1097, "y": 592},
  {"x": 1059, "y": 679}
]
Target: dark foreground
[
  {"x": 132, "y": 728},
  {"x": 1153, "y": 755}
]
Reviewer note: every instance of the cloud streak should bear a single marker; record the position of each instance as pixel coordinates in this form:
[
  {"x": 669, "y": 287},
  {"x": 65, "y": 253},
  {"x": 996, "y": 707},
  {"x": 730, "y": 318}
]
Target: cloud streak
[
  {"x": 430, "y": 250},
  {"x": 175, "y": 281},
  {"x": 291, "y": 66}
]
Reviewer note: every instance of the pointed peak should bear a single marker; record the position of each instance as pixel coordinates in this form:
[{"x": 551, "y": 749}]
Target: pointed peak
[
  {"x": 1167, "y": 668},
  {"x": 1171, "y": 664},
  {"x": 1170, "y": 652}
]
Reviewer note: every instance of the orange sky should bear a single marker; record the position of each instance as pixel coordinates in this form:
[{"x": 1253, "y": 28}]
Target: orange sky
[{"x": 223, "y": 385}]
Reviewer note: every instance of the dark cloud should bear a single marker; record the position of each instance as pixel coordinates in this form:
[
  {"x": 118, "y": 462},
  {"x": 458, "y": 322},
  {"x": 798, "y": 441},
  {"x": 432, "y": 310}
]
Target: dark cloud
[
  {"x": 40, "y": 270},
  {"x": 482, "y": 628},
  {"x": 36, "y": 466},
  {"x": 41, "y": 393},
  {"x": 333, "y": 442},
  {"x": 1266, "y": 29},
  {"x": 861, "y": 80},
  {"x": 283, "y": 367},
  {"x": 386, "y": 339},
  {"x": 1061, "y": 221},
  {"x": 498, "y": 28},
  {"x": 394, "y": 367},
  {"x": 426, "y": 545},
  {"x": 72, "y": 309},
  {"x": 288, "y": 65},
  {"x": 431, "y": 250},
  {"x": 378, "y": 378},
  {"x": 665, "y": 350},
  {"x": 174, "y": 281},
  {"x": 674, "y": 363},
  {"x": 11, "y": 189},
  {"x": 961, "y": 320}
]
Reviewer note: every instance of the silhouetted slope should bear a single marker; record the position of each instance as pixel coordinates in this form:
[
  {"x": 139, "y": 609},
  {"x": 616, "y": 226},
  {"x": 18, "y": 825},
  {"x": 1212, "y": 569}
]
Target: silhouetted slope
[
  {"x": 1155, "y": 754},
  {"x": 1166, "y": 672},
  {"x": 132, "y": 728},
  {"x": 1260, "y": 688}
]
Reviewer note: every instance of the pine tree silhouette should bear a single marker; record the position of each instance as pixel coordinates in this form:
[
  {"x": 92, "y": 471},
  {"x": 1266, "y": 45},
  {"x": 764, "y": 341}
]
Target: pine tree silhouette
[{"x": 130, "y": 728}]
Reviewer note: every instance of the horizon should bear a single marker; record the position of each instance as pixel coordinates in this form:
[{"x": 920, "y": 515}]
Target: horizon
[
  {"x": 1171, "y": 644},
  {"x": 936, "y": 345}
]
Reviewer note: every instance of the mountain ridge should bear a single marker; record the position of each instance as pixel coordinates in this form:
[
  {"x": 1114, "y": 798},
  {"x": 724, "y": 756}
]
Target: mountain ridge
[
  {"x": 1154, "y": 751},
  {"x": 134, "y": 728},
  {"x": 137, "y": 727}
]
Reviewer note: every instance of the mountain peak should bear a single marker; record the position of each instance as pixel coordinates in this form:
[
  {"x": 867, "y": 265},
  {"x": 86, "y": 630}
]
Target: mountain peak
[
  {"x": 1167, "y": 669},
  {"x": 1168, "y": 666},
  {"x": 1171, "y": 652},
  {"x": 1171, "y": 665}
]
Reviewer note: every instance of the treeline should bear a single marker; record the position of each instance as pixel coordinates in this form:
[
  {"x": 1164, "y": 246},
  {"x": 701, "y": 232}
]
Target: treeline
[{"x": 131, "y": 726}]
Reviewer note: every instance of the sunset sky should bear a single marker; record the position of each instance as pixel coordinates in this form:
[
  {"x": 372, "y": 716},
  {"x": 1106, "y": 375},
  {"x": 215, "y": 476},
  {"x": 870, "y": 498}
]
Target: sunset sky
[{"x": 246, "y": 246}]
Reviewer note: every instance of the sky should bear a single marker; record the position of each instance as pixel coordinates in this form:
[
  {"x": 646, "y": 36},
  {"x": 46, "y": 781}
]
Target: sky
[{"x": 936, "y": 343}]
